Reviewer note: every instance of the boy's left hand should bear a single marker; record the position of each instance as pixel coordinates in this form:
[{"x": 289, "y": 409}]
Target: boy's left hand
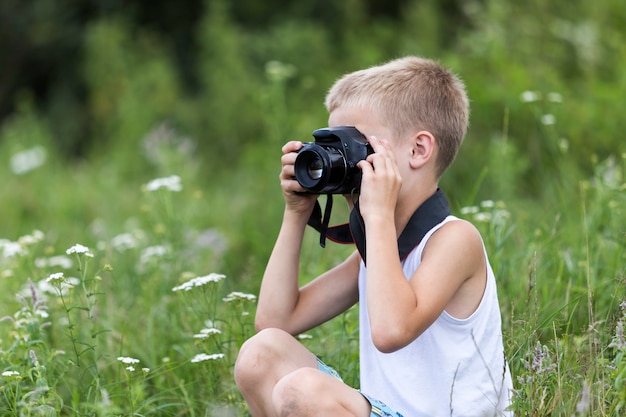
[{"x": 381, "y": 181}]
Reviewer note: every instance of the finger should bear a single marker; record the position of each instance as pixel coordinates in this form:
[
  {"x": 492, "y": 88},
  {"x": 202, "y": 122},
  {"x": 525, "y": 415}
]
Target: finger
[
  {"x": 292, "y": 146},
  {"x": 288, "y": 172},
  {"x": 289, "y": 158},
  {"x": 364, "y": 165},
  {"x": 290, "y": 185},
  {"x": 375, "y": 143}
]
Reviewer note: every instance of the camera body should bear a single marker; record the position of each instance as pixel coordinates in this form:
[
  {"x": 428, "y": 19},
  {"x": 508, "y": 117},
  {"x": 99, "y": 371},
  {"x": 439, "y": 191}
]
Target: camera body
[{"x": 328, "y": 165}]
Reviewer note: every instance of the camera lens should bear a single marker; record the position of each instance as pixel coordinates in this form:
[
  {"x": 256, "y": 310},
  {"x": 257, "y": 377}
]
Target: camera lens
[
  {"x": 320, "y": 169},
  {"x": 316, "y": 169}
]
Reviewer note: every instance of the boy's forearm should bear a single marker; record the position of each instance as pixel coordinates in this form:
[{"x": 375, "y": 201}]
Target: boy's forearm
[
  {"x": 390, "y": 298},
  {"x": 279, "y": 291}
]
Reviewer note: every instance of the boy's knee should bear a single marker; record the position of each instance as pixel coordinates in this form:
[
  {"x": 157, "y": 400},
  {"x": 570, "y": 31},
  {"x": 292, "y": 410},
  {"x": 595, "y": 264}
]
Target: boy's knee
[
  {"x": 297, "y": 392},
  {"x": 257, "y": 356}
]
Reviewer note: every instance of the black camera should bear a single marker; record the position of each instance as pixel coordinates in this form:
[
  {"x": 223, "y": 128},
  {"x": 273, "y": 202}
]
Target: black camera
[{"x": 328, "y": 165}]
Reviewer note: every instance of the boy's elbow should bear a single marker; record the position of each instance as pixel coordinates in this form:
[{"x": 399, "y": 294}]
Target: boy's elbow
[{"x": 388, "y": 339}]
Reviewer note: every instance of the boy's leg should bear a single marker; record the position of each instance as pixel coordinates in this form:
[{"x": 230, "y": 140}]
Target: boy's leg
[
  {"x": 263, "y": 360},
  {"x": 277, "y": 375}
]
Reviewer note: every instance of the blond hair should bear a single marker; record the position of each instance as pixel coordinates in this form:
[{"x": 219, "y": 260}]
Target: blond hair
[{"x": 410, "y": 94}]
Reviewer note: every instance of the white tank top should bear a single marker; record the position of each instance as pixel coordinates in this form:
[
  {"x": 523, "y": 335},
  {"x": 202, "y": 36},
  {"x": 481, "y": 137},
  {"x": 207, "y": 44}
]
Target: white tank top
[{"x": 455, "y": 368}]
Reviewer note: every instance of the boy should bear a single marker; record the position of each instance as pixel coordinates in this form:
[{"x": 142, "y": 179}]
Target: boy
[{"x": 430, "y": 326}]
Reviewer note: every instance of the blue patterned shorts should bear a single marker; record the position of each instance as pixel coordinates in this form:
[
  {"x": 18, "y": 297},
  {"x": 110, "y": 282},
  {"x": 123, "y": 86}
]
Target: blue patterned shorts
[{"x": 379, "y": 409}]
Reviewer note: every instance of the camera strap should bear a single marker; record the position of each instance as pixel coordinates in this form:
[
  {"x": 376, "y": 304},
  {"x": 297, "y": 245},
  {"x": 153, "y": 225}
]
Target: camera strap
[
  {"x": 339, "y": 234},
  {"x": 432, "y": 212}
]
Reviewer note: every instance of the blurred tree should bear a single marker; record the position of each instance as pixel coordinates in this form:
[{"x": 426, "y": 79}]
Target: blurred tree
[{"x": 39, "y": 52}]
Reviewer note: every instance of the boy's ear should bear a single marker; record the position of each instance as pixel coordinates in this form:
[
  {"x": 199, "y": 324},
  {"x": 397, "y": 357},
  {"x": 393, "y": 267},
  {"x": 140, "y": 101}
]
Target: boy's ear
[{"x": 423, "y": 148}]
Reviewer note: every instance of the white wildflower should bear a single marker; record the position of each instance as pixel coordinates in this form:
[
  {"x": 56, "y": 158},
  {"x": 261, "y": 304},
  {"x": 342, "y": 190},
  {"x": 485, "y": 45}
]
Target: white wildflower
[
  {"x": 201, "y": 357},
  {"x": 9, "y": 374},
  {"x": 236, "y": 295},
  {"x": 487, "y": 204},
  {"x": 482, "y": 217},
  {"x": 55, "y": 278},
  {"x": 529, "y": 96},
  {"x": 128, "y": 361},
  {"x": 130, "y": 368},
  {"x": 28, "y": 160},
  {"x": 548, "y": 119},
  {"x": 171, "y": 183},
  {"x": 199, "y": 281},
  {"x": 205, "y": 333},
  {"x": 10, "y": 249},
  {"x": 42, "y": 313},
  {"x": 79, "y": 250},
  {"x": 55, "y": 286},
  {"x": 60, "y": 261},
  {"x": 145, "y": 370},
  {"x": 151, "y": 252},
  {"x": 124, "y": 241},
  {"x": 470, "y": 210},
  {"x": 304, "y": 336},
  {"x": 36, "y": 237}
]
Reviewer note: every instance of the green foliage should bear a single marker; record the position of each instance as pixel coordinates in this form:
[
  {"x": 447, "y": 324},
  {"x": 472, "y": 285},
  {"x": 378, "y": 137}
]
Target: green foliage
[{"x": 542, "y": 174}]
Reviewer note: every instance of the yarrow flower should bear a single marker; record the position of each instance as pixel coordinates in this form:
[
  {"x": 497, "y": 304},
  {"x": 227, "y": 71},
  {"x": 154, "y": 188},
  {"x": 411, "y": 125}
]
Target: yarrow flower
[
  {"x": 548, "y": 119},
  {"x": 60, "y": 261},
  {"x": 53, "y": 285},
  {"x": 9, "y": 249},
  {"x": 201, "y": 357},
  {"x": 489, "y": 212},
  {"x": 470, "y": 210},
  {"x": 9, "y": 374},
  {"x": 128, "y": 361},
  {"x": 529, "y": 96},
  {"x": 55, "y": 278},
  {"x": 79, "y": 250},
  {"x": 205, "y": 333},
  {"x": 32, "y": 239},
  {"x": 124, "y": 241},
  {"x": 171, "y": 183},
  {"x": 236, "y": 295},
  {"x": 153, "y": 252},
  {"x": 199, "y": 281},
  {"x": 28, "y": 160}
]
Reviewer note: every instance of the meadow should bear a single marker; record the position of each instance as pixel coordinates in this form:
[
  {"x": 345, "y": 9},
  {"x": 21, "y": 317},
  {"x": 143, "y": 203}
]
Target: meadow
[{"x": 129, "y": 272}]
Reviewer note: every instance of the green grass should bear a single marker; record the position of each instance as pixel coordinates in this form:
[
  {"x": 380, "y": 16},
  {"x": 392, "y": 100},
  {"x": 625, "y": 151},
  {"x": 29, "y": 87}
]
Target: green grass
[{"x": 560, "y": 273}]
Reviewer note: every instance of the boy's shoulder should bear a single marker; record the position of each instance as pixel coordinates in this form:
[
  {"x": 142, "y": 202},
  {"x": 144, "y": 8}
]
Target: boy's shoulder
[{"x": 456, "y": 237}]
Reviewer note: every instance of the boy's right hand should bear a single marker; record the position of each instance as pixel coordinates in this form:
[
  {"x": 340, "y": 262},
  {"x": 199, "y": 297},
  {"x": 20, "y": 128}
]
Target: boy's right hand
[{"x": 296, "y": 199}]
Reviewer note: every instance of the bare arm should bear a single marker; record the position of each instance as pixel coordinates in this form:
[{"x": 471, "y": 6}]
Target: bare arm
[
  {"x": 451, "y": 275},
  {"x": 282, "y": 303}
]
